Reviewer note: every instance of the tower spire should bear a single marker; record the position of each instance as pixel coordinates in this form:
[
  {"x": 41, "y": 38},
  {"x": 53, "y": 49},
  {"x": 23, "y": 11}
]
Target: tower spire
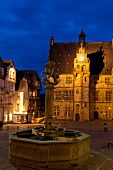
[{"x": 82, "y": 38}]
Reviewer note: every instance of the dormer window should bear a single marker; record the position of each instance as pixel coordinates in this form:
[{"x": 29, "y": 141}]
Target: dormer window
[{"x": 12, "y": 73}]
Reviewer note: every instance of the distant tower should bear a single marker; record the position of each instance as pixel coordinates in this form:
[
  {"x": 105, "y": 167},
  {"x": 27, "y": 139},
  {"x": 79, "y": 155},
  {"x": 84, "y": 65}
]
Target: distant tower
[{"x": 82, "y": 39}]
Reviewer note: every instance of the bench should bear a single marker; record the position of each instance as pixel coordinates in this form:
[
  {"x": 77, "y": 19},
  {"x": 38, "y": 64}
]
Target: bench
[{"x": 110, "y": 142}]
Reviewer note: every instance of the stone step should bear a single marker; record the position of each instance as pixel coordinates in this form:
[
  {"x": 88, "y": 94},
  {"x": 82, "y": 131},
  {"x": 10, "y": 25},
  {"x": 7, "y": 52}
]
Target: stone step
[
  {"x": 96, "y": 161},
  {"x": 107, "y": 165}
]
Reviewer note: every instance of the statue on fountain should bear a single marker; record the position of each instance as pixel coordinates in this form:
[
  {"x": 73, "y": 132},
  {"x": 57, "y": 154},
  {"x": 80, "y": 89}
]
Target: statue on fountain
[
  {"x": 50, "y": 73},
  {"x": 50, "y": 79}
]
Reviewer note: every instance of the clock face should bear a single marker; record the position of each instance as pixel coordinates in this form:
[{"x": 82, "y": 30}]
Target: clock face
[{"x": 81, "y": 58}]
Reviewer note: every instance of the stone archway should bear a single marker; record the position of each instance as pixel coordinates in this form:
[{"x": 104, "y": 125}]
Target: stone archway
[
  {"x": 95, "y": 115},
  {"x": 77, "y": 117}
]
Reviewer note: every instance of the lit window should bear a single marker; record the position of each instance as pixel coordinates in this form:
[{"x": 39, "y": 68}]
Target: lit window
[
  {"x": 56, "y": 110},
  {"x": 34, "y": 94},
  {"x": 58, "y": 69},
  {"x": 30, "y": 93},
  {"x": 77, "y": 91},
  {"x": 107, "y": 80},
  {"x": 78, "y": 66},
  {"x": 57, "y": 95},
  {"x": 96, "y": 96},
  {"x": 77, "y": 107},
  {"x": 11, "y": 73},
  {"x": 68, "y": 95},
  {"x": 68, "y": 80},
  {"x": 67, "y": 111},
  {"x": 83, "y": 67},
  {"x": 84, "y": 104},
  {"x": 108, "y": 96},
  {"x": 37, "y": 83}
]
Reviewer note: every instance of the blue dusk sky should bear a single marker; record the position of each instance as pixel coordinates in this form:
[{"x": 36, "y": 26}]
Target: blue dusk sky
[{"x": 27, "y": 25}]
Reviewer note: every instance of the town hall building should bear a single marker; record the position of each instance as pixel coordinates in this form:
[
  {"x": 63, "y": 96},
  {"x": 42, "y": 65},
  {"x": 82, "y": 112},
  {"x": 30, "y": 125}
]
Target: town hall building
[{"x": 84, "y": 91}]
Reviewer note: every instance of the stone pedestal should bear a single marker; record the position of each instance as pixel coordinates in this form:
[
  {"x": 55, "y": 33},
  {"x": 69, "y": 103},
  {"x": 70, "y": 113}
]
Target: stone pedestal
[{"x": 49, "y": 118}]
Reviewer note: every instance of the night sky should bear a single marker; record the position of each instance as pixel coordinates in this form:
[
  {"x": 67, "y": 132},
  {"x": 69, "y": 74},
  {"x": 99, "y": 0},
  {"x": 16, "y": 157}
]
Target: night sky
[{"x": 27, "y": 25}]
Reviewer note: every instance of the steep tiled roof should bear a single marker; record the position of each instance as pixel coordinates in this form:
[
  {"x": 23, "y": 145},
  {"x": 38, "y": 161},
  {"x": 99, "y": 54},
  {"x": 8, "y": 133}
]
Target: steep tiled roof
[
  {"x": 8, "y": 62},
  {"x": 100, "y": 54}
]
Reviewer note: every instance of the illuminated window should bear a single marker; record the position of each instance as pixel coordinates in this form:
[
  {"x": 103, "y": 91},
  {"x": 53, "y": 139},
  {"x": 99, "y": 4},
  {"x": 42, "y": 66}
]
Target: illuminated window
[
  {"x": 84, "y": 104},
  {"x": 11, "y": 73},
  {"x": 77, "y": 107},
  {"x": 68, "y": 80},
  {"x": 96, "y": 96},
  {"x": 57, "y": 95},
  {"x": 34, "y": 94},
  {"x": 58, "y": 69},
  {"x": 37, "y": 83},
  {"x": 10, "y": 116},
  {"x": 67, "y": 62},
  {"x": 77, "y": 91},
  {"x": 108, "y": 96},
  {"x": 108, "y": 113},
  {"x": 67, "y": 111},
  {"x": 83, "y": 67},
  {"x": 58, "y": 62},
  {"x": 56, "y": 110},
  {"x": 30, "y": 93},
  {"x": 107, "y": 80},
  {"x": 68, "y": 95},
  {"x": 78, "y": 66}
]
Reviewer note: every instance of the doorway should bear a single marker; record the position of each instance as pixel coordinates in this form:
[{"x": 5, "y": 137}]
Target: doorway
[{"x": 95, "y": 115}]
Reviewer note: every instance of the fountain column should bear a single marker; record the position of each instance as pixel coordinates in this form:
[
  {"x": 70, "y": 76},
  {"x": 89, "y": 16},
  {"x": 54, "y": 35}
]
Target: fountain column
[
  {"x": 49, "y": 116},
  {"x": 50, "y": 80}
]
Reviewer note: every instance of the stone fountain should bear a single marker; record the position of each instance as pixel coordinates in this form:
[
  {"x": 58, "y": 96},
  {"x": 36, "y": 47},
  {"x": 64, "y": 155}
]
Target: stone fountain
[{"x": 48, "y": 147}]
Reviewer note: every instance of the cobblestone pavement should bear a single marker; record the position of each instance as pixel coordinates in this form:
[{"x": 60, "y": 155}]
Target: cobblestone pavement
[{"x": 96, "y": 129}]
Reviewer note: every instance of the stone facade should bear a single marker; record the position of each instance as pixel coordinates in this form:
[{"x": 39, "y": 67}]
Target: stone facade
[
  {"x": 9, "y": 90},
  {"x": 85, "y": 84}
]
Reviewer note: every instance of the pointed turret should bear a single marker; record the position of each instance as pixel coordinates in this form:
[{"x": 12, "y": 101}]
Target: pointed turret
[{"x": 82, "y": 39}]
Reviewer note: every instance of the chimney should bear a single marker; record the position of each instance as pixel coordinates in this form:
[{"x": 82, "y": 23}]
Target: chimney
[{"x": 112, "y": 43}]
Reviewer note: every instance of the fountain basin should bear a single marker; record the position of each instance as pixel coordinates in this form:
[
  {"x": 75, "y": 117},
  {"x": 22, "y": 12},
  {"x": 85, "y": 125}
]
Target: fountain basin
[{"x": 63, "y": 152}]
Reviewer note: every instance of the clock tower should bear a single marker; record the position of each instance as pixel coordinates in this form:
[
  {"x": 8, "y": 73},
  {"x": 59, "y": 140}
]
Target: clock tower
[{"x": 81, "y": 77}]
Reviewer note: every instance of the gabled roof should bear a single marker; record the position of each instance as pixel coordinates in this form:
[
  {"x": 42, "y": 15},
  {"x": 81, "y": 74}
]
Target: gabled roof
[
  {"x": 8, "y": 62},
  {"x": 30, "y": 75}
]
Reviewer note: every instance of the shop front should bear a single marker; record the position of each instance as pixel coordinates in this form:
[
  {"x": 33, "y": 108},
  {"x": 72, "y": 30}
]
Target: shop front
[{"x": 20, "y": 117}]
